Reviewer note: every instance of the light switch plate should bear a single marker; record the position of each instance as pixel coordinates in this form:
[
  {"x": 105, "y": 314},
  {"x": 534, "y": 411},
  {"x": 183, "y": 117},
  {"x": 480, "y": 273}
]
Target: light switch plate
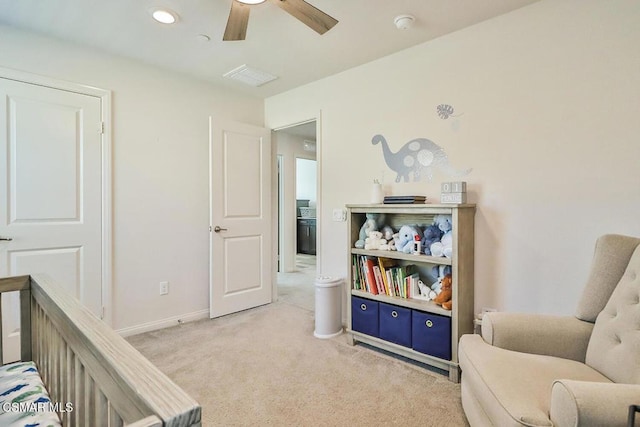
[{"x": 339, "y": 215}]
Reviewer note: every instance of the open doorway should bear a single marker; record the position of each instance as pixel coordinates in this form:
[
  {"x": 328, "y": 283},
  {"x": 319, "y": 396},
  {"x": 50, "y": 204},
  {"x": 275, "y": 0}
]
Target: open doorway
[{"x": 297, "y": 219}]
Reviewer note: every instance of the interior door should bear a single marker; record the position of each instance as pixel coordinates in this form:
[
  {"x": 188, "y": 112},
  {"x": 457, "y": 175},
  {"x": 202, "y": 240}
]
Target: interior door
[
  {"x": 241, "y": 241},
  {"x": 50, "y": 193}
]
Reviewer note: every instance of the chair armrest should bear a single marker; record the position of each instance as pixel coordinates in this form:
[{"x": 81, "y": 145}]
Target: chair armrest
[
  {"x": 585, "y": 403},
  {"x": 560, "y": 336}
]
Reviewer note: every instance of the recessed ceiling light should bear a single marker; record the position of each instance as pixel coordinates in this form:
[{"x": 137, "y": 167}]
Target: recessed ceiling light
[
  {"x": 251, "y": 1},
  {"x": 165, "y": 16}
]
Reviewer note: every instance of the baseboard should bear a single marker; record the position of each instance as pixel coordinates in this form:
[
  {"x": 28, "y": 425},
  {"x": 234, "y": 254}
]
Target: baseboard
[{"x": 163, "y": 323}]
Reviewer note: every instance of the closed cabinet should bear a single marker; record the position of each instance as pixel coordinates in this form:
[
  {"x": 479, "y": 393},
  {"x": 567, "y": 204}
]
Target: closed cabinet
[
  {"x": 424, "y": 332},
  {"x": 395, "y": 324},
  {"x": 431, "y": 334},
  {"x": 364, "y": 316},
  {"x": 306, "y": 232}
]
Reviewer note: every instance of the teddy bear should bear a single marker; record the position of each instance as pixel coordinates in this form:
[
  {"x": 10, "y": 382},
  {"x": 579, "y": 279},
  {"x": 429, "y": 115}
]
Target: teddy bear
[
  {"x": 443, "y": 247},
  {"x": 432, "y": 234},
  {"x": 374, "y": 241},
  {"x": 373, "y": 222},
  {"x": 444, "y": 297},
  {"x": 406, "y": 237}
]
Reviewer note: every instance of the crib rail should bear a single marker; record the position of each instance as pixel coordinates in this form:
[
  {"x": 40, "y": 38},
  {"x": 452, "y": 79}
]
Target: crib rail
[{"x": 84, "y": 362}]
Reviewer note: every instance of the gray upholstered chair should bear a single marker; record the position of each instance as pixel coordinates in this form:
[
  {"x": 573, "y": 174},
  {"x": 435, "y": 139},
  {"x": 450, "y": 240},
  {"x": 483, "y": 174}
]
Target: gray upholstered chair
[{"x": 542, "y": 370}]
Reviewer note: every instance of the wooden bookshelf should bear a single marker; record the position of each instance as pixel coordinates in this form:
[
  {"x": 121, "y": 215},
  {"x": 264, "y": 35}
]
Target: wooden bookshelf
[{"x": 440, "y": 349}]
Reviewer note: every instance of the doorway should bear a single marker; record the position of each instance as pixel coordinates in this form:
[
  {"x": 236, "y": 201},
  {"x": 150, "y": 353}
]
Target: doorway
[{"x": 297, "y": 220}]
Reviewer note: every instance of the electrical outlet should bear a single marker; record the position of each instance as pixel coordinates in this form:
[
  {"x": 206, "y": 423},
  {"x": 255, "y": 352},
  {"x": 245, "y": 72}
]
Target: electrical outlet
[{"x": 164, "y": 288}]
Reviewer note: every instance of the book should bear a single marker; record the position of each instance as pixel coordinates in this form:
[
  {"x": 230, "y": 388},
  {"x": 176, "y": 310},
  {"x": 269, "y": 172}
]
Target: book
[
  {"x": 385, "y": 265},
  {"x": 404, "y": 199},
  {"x": 369, "y": 275}
]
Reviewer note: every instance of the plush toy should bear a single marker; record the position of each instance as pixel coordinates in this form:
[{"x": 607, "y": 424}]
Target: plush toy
[
  {"x": 426, "y": 292},
  {"x": 407, "y": 235},
  {"x": 447, "y": 244},
  {"x": 373, "y": 222},
  {"x": 443, "y": 222},
  {"x": 439, "y": 272},
  {"x": 392, "y": 243},
  {"x": 374, "y": 241},
  {"x": 444, "y": 297},
  {"x": 387, "y": 232},
  {"x": 432, "y": 234}
]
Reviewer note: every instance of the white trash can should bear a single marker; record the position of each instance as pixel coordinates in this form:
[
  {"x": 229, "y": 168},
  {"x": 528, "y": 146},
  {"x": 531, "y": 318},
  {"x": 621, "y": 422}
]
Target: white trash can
[{"x": 328, "y": 307}]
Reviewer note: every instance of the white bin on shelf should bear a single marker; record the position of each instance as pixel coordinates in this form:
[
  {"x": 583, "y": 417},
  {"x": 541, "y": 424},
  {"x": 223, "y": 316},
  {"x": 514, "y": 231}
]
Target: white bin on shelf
[{"x": 328, "y": 307}]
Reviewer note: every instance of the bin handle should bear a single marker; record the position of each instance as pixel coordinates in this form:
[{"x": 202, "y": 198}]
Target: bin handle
[
  {"x": 363, "y": 307},
  {"x": 394, "y": 314},
  {"x": 429, "y": 323}
]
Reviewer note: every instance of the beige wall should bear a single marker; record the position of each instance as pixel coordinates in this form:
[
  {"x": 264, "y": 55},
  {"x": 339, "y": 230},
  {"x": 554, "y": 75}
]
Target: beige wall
[
  {"x": 160, "y": 172},
  {"x": 548, "y": 97}
]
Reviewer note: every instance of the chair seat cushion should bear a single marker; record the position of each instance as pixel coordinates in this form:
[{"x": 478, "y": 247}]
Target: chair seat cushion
[
  {"x": 514, "y": 388},
  {"x": 23, "y": 399}
]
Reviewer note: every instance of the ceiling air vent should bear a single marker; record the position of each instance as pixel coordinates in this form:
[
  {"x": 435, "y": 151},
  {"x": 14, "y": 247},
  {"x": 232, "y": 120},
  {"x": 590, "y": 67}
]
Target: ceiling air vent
[{"x": 250, "y": 76}]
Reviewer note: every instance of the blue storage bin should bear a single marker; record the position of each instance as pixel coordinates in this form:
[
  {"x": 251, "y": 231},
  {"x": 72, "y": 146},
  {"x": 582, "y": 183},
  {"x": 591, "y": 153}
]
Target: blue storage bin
[
  {"x": 395, "y": 324},
  {"x": 364, "y": 316},
  {"x": 431, "y": 334}
]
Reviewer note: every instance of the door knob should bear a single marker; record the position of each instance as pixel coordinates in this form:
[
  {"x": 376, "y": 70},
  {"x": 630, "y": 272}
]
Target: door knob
[
  {"x": 217, "y": 229},
  {"x": 8, "y": 239}
]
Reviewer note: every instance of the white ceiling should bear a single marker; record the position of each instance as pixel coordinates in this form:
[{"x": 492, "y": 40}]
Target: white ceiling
[{"x": 276, "y": 42}]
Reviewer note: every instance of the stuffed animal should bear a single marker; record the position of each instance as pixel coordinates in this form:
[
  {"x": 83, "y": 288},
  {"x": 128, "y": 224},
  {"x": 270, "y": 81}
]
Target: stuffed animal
[
  {"x": 406, "y": 237},
  {"x": 373, "y": 222},
  {"x": 374, "y": 241},
  {"x": 432, "y": 234},
  {"x": 392, "y": 243},
  {"x": 447, "y": 244},
  {"x": 387, "y": 232},
  {"x": 444, "y": 297},
  {"x": 443, "y": 222}
]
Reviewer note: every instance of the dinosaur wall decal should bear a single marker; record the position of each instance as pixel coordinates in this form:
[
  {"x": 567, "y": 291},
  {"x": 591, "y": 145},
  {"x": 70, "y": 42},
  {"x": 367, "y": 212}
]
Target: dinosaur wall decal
[{"x": 418, "y": 157}]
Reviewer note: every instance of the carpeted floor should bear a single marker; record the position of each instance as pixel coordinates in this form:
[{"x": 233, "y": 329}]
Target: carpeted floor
[{"x": 264, "y": 367}]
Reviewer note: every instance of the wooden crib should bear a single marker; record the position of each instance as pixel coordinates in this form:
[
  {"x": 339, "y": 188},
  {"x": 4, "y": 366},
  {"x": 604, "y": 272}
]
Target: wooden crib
[{"x": 83, "y": 361}]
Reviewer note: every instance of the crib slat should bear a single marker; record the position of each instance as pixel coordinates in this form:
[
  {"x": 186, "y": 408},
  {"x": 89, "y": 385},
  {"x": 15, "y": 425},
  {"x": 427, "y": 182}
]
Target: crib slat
[
  {"x": 70, "y": 380},
  {"x": 25, "y": 325},
  {"x": 79, "y": 408},
  {"x": 102, "y": 409},
  {"x": 90, "y": 400},
  {"x": 1, "y": 338},
  {"x": 114, "y": 418}
]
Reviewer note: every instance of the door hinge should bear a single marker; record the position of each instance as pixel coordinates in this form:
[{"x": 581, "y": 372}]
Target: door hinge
[
  {"x": 210, "y": 229},
  {"x": 102, "y": 128},
  {"x": 102, "y": 312}
]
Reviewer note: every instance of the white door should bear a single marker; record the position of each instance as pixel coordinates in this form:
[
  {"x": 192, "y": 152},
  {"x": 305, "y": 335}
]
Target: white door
[
  {"x": 241, "y": 241},
  {"x": 50, "y": 192}
]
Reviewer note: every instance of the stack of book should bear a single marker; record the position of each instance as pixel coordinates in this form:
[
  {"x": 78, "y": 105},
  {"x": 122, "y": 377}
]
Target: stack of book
[
  {"x": 404, "y": 199},
  {"x": 383, "y": 276}
]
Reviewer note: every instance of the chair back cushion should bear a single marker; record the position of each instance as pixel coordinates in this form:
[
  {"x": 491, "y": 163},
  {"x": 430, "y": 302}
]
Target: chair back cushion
[
  {"x": 610, "y": 260},
  {"x": 614, "y": 347}
]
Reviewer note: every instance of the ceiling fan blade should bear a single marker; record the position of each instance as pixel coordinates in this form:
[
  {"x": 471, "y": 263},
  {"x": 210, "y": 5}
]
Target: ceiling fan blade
[
  {"x": 311, "y": 16},
  {"x": 237, "y": 22}
]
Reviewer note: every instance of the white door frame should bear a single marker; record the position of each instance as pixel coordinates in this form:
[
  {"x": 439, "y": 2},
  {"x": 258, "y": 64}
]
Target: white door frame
[
  {"x": 278, "y": 226},
  {"x": 105, "y": 101}
]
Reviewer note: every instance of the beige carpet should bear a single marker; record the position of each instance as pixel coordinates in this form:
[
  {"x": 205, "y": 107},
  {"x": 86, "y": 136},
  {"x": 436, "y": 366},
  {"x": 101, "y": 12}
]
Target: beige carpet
[{"x": 264, "y": 367}]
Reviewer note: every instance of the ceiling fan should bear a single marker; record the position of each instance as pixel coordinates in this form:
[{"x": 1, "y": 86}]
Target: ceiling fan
[{"x": 311, "y": 16}]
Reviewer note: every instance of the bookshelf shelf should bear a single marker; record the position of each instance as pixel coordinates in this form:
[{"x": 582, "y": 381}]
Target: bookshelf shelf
[
  {"x": 428, "y": 306},
  {"x": 403, "y": 256},
  {"x": 414, "y": 328}
]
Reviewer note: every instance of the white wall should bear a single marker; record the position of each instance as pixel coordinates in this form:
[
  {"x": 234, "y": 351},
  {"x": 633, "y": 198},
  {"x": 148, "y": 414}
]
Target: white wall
[
  {"x": 160, "y": 171},
  {"x": 549, "y": 102},
  {"x": 306, "y": 183}
]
